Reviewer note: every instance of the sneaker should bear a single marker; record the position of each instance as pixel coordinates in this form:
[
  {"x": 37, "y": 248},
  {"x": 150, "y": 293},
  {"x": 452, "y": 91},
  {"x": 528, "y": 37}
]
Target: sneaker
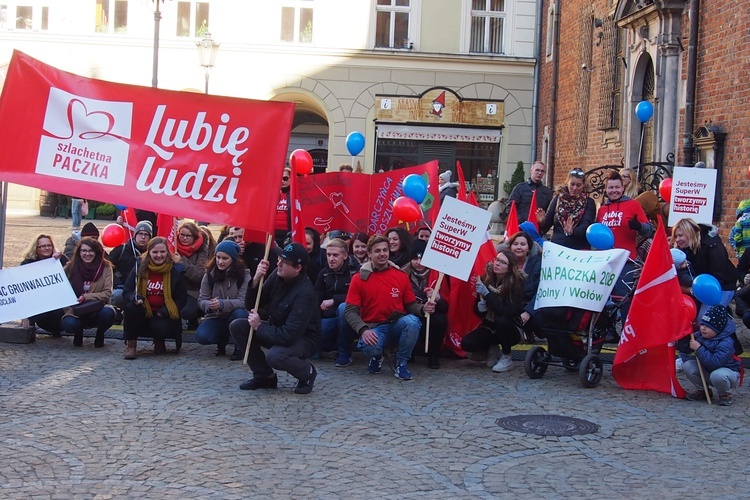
[
  {"x": 504, "y": 364},
  {"x": 343, "y": 360},
  {"x": 402, "y": 372},
  {"x": 376, "y": 365},
  {"x": 725, "y": 400},
  {"x": 699, "y": 395},
  {"x": 260, "y": 383},
  {"x": 678, "y": 365},
  {"x": 493, "y": 355},
  {"x": 306, "y": 387}
]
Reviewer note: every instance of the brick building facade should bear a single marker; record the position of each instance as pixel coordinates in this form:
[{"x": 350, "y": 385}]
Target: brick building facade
[{"x": 599, "y": 59}]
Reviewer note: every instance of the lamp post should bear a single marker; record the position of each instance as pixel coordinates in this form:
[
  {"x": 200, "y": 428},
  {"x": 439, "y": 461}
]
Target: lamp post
[
  {"x": 207, "y": 49},
  {"x": 157, "y": 20}
]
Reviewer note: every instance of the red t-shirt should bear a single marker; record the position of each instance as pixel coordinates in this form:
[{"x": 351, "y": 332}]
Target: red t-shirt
[
  {"x": 616, "y": 216},
  {"x": 384, "y": 293},
  {"x": 155, "y": 291},
  {"x": 282, "y": 209}
]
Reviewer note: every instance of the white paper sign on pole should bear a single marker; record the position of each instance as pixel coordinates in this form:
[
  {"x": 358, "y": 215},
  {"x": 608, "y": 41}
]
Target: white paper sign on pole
[
  {"x": 33, "y": 289},
  {"x": 578, "y": 278},
  {"x": 693, "y": 193},
  {"x": 455, "y": 240}
]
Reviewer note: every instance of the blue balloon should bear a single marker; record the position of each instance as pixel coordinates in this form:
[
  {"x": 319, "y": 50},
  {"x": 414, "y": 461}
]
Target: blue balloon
[
  {"x": 355, "y": 143},
  {"x": 707, "y": 289},
  {"x": 121, "y": 207},
  {"x": 600, "y": 236},
  {"x": 644, "y": 110},
  {"x": 415, "y": 187}
]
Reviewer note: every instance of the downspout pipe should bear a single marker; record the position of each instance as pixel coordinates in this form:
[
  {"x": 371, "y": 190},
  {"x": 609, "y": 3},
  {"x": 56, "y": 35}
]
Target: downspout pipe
[
  {"x": 555, "y": 78},
  {"x": 692, "y": 63},
  {"x": 537, "y": 76}
]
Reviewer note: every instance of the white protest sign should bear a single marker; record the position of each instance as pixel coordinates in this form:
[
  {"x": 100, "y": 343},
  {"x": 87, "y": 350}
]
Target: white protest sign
[
  {"x": 693, "y": 192},
  {"x": 455, "y": 240},
  {"x": 578, "y": 278},
  {"x": 34, "y": 288}
]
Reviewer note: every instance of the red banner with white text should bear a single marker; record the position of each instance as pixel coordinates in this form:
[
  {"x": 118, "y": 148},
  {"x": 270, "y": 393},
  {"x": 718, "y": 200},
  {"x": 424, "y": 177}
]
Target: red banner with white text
[
  {"x": 359, "y": 202},
  {"x": 200, "y": 156}
]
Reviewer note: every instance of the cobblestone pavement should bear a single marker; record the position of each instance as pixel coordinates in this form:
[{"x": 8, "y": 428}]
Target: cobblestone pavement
[{"x": 85, "y": 423}]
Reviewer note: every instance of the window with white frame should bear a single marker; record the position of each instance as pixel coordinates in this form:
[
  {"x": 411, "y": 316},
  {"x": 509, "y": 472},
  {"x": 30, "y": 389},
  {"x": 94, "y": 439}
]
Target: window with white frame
[
  {"x": 23, "y": 16},
  {"x": 487, "y": 26},
  {"x": 297, "y": 21},
  {"x": 392, "y": 19},
  {"x": 192, "y": 18},
  {"x": 111, "y": 16}
]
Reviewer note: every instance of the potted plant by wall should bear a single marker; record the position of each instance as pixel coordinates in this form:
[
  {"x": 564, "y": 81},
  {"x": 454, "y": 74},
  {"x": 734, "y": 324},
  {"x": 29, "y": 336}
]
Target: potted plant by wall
[{"x": 105, "y": 211}]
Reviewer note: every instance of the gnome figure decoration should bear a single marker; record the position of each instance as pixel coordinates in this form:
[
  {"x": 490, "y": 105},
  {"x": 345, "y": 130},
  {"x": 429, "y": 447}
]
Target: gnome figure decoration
[{"x": 437, "y": 105}]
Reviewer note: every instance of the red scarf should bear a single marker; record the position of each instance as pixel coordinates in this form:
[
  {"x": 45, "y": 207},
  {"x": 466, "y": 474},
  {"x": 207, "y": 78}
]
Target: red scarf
[{"x": 188, "y": 250}]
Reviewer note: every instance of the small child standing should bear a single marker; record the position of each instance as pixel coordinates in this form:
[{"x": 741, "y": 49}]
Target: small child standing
[{"x": 714, "y": 348}]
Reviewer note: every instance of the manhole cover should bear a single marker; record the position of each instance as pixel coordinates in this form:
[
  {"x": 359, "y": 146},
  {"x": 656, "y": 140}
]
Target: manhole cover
[{"x": 548, "y": 425}]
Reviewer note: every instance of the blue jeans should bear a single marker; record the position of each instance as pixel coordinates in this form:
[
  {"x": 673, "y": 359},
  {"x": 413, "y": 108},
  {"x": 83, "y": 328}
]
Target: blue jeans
[
  {"x": 102, "y": 321},
  {"x": 337, "y": 334},
  {"x": 216, "y": 330},
  {"x": 75, "y": 210},
  {"x": 404, "y": 333}
]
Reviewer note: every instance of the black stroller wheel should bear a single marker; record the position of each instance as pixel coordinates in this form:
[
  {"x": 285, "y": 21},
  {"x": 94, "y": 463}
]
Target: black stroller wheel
[
  {"x": 534, "y": 364},
  {"x": 590, "y": 371}
]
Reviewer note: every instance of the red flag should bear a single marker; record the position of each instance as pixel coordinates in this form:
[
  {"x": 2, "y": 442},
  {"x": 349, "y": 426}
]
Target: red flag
[
  {"x": 298, "y": 228},
  {"x": 511, "y": 225},
  {"x": 462, "y": 184},
  {"x": 129, "y": 220},
  {"x": 532, "y": 212},
  {"x": 167, "y": 228},
  {"x": 645, "y": 357}
]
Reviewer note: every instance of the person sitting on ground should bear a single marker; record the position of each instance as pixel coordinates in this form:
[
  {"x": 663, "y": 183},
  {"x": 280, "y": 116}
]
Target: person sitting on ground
[
  {"x": 358, "y": 248},
  {"x": 222, "y": 297},
  {"x": 382, "y": 308},
  {"x": 88, "y": 230},
  {"x": 291, "y": 332},
  {"x": 570, "y": 214},
  {"x": 193, "y": 253},
  {"x": 423, "y": 280},
  {"x": 399, "y": 245},
  {"x": 714, "y": 349},
  {"x": 155, "y": 292},
  {"x": 90, "y": 276},
  {"x": 43, "y": 247},
  {"x": 500, "y": 301},
  {"x": 331, "y": 287},
  {"x": 529, "y": 260},
  {"x": 125, "y": 257}
]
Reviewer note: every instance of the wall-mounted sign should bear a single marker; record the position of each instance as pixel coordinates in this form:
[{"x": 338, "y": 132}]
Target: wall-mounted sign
[{"x": 439, "y": 106}]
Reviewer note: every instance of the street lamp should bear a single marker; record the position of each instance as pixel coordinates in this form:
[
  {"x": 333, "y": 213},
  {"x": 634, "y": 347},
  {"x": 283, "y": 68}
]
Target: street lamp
[
  {"x": 157, "y": 20},
  {"x": 207, "y": 49}
]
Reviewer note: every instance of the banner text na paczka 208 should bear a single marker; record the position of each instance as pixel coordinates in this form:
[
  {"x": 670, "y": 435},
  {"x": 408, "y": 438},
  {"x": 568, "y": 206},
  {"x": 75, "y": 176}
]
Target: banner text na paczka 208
[{"x": 186, "y": 154}]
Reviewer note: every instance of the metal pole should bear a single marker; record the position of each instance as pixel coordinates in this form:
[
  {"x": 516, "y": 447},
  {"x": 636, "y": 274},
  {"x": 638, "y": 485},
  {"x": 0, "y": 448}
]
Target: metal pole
[
  {"x": 206, "y": 79},
  {"x": 3, "y": 219},
  {"x": 157, "y": 20}
]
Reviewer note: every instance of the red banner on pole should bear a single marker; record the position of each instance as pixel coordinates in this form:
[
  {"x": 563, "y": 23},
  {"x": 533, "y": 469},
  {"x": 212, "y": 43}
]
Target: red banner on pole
[{"x": 206, "y": 157}]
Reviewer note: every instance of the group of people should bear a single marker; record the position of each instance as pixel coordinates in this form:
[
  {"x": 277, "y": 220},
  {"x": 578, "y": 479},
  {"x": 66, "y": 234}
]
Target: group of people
[{"x": 371, "y": 292}]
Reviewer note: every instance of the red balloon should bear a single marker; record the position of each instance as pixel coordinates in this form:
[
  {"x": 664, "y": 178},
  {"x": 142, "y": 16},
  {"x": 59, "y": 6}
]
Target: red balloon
[
  {"x": 665, "y": 189},
  {"x": 301, "y": 162},
  {"x": 406, "y": 210},
  {"x": 114, "y": 235},
  {"x": 688, "y": 307}
]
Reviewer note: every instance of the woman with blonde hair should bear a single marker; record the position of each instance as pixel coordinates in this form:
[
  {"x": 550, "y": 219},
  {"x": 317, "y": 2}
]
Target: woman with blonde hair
[
  {"x": 630, "y": 182},
  {"x": 43, "y": 247}
]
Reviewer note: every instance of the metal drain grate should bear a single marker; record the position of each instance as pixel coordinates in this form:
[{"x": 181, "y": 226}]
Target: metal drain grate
[{"x": 547, "y": 425}]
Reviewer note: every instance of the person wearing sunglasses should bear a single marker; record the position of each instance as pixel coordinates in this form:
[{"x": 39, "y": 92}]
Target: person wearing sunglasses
[
  {"x": 570, "y": 214},
  {"x": 283, "y": 221}
]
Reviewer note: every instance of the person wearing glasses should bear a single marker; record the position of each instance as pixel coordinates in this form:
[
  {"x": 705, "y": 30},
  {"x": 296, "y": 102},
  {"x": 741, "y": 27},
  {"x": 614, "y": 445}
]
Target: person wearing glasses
[
  {"x": 192, "y": 253},
  {"x": 632, "y": 187},
  {"x": 125, "y": 257},
  {"x": 570, "y": 214},
  {"x": 523, "y": 192},
  {"x": 283, "y": 221},
  {"x": 290, "y": 332},
  {"x": 43, "y": 247},
  {"x": 500, "y": 301}
]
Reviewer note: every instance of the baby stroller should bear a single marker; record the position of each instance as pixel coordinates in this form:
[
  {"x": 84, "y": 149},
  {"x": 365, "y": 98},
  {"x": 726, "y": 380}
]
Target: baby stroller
[{"x": 574, "y": 338}]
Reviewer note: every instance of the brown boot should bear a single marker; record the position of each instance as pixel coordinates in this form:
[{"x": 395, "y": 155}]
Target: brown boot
[
  {"x": 160, "y": 347},
  {"x": 130, "y": 350}
]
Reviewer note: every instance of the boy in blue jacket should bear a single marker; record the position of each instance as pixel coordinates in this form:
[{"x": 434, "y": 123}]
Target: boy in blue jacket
[{"x": 714, "y": 348}]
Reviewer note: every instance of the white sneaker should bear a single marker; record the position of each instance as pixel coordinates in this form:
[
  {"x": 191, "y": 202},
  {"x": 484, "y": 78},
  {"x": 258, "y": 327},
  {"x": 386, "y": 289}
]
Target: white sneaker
[
  {"x": 504, "y": 364},
  {"x": 678, "y": 364},
  {"x": 493, "y": 355}
]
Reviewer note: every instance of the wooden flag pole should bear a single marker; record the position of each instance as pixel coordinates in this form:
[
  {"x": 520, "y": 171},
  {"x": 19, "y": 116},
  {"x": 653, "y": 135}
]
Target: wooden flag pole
[
  {"x": 435, "y": 292},
  {"x": 703, "y": 377},
  {"x": 269, "y": 239}
]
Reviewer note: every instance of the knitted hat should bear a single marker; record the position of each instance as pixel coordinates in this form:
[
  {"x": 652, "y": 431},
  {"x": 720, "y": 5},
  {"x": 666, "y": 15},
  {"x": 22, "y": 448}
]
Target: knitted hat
[
  {"x": 678, "y": 256},
  {"x": 446, "y": 176},
  {"x": 715, "y": 318},
  {"x": 417, "y": 249},
  {"x": 89, "y": 230},
  {"x": 144, "y": 226},
  {"x": 295, "y": 253},
  {"x": 229, "y": 247}
]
